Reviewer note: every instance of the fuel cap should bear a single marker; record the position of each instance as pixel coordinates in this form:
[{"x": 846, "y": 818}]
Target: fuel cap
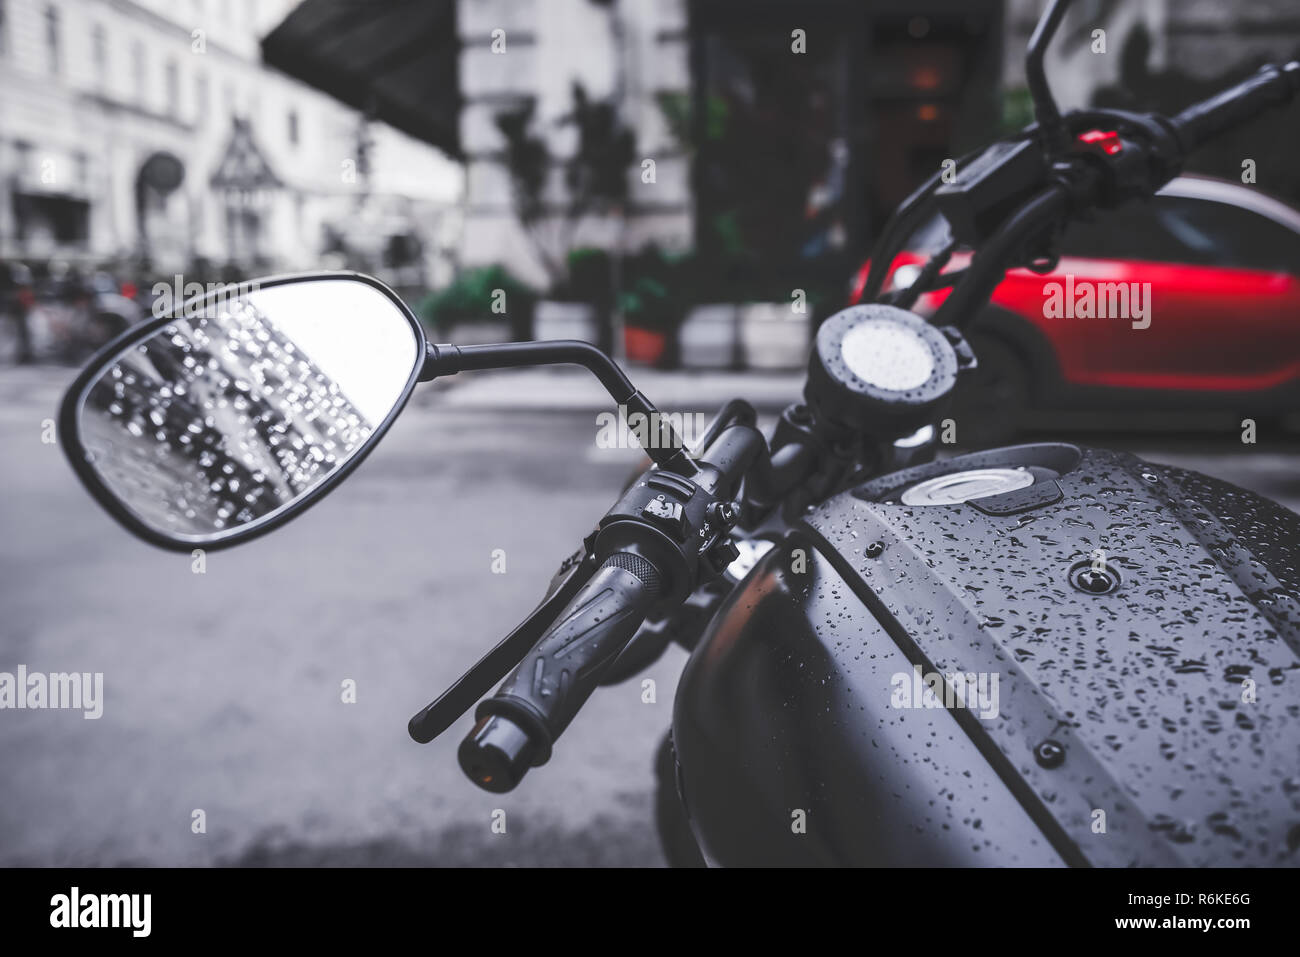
[{"x": 880, "y": 369}]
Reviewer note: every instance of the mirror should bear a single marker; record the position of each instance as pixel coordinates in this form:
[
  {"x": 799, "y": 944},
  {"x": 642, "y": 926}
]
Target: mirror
[{"x": 229, "y": 417}]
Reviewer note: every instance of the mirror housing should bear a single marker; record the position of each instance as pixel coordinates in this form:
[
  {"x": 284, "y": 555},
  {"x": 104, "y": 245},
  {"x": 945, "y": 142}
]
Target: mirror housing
[{"x": 237, "y": 426}]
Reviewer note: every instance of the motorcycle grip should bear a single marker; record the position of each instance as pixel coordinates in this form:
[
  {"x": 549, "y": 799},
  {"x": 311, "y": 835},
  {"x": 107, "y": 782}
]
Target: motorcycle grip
[
  {"x": 533, "y": 706},
  {"x": 1271, "y": 85}
]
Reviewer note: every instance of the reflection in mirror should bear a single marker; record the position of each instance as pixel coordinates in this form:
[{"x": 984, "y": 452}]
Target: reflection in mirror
[{"x": 245, "y": 403}]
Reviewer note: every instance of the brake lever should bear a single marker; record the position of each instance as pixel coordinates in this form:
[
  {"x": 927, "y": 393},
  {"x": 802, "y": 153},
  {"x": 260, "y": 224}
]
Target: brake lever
[{"x": 493, "y": 667}]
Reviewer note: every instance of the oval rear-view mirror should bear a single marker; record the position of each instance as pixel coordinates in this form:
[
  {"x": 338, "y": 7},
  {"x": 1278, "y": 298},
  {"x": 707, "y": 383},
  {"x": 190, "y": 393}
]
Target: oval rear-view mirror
[{"x": 213, "y": 425}]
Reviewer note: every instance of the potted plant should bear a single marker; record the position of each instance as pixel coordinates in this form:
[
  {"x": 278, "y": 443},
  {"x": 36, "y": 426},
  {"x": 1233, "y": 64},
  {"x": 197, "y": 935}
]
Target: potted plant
[
  {"x": 485, "y": 304},
  {"x": 648, "y": 322},
  {"x": 658, "y": 294},
  {"x": 579, "y": 299}
]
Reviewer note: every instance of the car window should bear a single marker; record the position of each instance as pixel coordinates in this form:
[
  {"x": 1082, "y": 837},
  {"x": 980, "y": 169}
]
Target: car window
[
  {"x": 1180, "y": 229},
  {"x": 1130, "y": 232},
  {"x": 1231, "y": 236}
]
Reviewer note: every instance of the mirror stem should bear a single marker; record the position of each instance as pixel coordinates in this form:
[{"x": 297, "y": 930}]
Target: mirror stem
[
  {"x": 666, "y": 448},
  {"x": 1045, "y": 110}
]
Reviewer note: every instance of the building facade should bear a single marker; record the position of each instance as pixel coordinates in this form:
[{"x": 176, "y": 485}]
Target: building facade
[
  {"x": 790, "y": 129},
  {"x": 525, "y": 51},
  {"x": 151, "y": 131},
  {"x": 775, "y": 131}
]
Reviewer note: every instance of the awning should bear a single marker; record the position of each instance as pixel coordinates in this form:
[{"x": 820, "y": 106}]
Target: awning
[{"x": 394, "y": 59}]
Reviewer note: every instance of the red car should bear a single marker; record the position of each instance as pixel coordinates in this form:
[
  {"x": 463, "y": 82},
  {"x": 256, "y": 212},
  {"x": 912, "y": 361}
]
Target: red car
[{"x": 1218, "y": 326}]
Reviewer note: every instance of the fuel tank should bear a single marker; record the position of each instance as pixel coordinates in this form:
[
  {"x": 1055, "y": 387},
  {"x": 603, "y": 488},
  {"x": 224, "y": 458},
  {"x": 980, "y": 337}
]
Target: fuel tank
[{"x": 1033, "y": 656}]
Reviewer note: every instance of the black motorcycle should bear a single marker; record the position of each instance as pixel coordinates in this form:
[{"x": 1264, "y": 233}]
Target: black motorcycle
[{"x": 1043, "y": 654}]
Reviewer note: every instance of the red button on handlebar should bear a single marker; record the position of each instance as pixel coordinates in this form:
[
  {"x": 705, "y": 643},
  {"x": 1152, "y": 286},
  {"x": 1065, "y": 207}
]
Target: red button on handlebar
[{"x": 1107, "y": 141}]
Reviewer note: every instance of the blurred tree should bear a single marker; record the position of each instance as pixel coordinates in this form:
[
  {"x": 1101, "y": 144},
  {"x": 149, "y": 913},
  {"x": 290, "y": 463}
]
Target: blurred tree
[{"x": 594, "y": 177}]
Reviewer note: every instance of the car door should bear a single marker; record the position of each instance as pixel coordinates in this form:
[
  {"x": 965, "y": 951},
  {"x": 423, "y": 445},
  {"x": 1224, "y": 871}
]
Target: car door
[{"x": 1223, "y": 305}]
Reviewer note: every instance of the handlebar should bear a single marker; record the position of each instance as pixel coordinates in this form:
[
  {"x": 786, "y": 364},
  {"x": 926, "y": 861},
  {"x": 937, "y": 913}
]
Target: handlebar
[
  {"x": 986, "y": 270},
  {"x": 1271, "y": 86},
  {"x": 1133, "y": 168},
  {"x": 666, "y": 534},
  {"x": 517, "y": 727}
]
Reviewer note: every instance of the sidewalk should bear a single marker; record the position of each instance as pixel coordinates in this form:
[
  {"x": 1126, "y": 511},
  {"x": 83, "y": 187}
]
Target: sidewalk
[{"x": 574, "y": 389}]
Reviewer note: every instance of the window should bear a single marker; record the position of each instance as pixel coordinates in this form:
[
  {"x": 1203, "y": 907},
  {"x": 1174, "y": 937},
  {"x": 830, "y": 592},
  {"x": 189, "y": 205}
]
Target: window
[
  {"x": 1131, "y": 232},
  {"x": 201, "y": 99},
  {"x": 42, "y": 218},
  {"x": 53, "y": 40},
  {"x": 138, "y": 70},
  {"x": 1226, "y": 235},
  {"x": 99, "y": 53},
  {"x": 23, "y": 157},
  {"x": 293, "y": 127},
  {"x": 173, "y": 89},
  {"x": 805, "y": 183}
]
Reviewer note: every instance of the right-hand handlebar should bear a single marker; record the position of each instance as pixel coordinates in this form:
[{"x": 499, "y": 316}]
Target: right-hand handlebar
[
  {"x": 1271, "y": 86},
  {"x": 1090, "y": 187}
]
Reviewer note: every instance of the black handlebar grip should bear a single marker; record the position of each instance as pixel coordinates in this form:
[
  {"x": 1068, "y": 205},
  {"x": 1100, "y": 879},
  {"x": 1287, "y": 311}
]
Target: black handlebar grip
[
  {"x": 533, "y": 706},
  {"x": 1270, "y": 86}
]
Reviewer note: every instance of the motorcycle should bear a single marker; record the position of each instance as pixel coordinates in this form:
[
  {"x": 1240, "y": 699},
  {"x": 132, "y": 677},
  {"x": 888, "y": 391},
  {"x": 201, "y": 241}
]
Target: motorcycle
[{"x": 1041, "y": 654}]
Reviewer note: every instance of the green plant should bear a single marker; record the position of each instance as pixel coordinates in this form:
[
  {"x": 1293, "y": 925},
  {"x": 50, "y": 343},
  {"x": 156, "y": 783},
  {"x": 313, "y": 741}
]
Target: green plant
[
  {"x": 1017, "y": 109},
  {"x": 646, "y": 304},
  {"x": 588, "y": 277},
  {"x": 660, "y": 289},
  {"x": 596, "y": 174},
  {"x": 678, "y": 115},
  {"x": 487, "y": 292}
]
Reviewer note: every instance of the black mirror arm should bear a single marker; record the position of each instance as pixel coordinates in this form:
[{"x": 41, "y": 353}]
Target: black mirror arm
[
  {"x": 1046, "y": 112},
  {"x": 666, "y": 450}
]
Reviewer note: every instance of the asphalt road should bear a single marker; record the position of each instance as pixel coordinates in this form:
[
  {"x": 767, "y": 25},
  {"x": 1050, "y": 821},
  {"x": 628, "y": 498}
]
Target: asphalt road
[{"x": 223, "y": 690}]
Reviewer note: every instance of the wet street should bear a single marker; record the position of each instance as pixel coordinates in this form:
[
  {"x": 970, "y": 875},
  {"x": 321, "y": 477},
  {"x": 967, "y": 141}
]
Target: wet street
[{"x": 223, "y": 691}]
